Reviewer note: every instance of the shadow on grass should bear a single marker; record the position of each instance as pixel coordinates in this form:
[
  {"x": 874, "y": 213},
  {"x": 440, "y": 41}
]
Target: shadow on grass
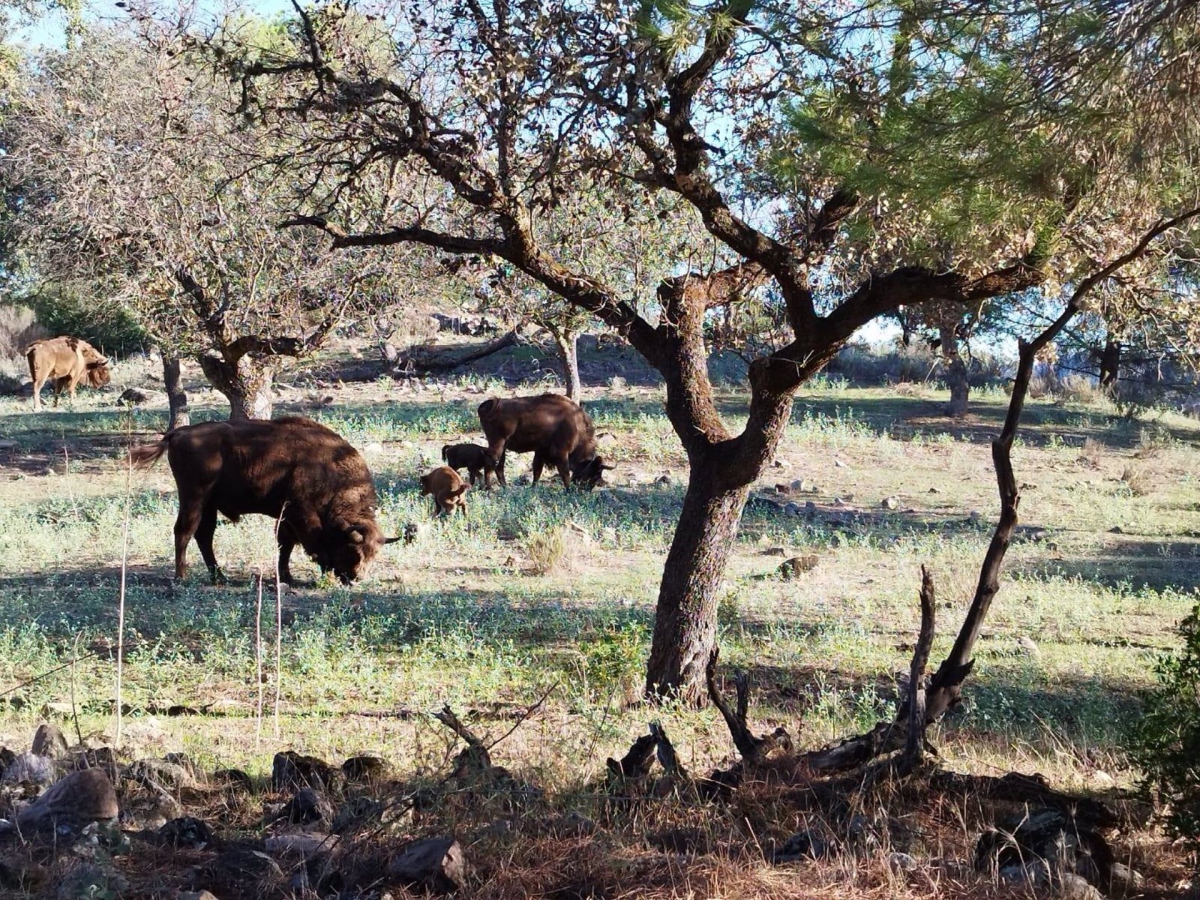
[{"x": 1158, "y": 563}]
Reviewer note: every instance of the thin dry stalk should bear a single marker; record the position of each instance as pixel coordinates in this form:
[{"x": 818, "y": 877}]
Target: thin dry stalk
[
  {"x": 278, "y": 626},
  {"x": 121, "y": 594},
  {"x": 74, "y": 673},
  {"x": 258, "y": 663}
]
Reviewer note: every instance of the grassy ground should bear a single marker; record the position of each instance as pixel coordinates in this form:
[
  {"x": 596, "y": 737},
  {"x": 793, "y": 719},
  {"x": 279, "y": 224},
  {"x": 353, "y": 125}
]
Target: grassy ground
[{"x": 537, "y": 591}]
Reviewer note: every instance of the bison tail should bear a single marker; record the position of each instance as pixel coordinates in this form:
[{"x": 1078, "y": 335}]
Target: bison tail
[
  {"x": 457, "y": 492},
  {"x": 445, "y": 453},
  {"x": 147, "y": 454}
]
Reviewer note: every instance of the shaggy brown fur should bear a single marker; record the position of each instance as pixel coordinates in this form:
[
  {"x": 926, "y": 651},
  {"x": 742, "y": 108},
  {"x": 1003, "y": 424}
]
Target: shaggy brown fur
[
  {"x": 298, "y": 472},
  {"x": 447, "y": 488},
  {"x": 551, "y": 427},
  {"x": 65, "y": 362}
]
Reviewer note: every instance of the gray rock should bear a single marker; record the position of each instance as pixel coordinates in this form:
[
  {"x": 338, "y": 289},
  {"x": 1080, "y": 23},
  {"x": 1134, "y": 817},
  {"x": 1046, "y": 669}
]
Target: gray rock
[
  {"x": 29, "y": 767},
  {"x": 890, "y": 503},
  {"x": 902, "y": 862},
  {"x": 186, "y": 832},
  {"x": 158, "y": 774},
  {"x": 810, "y": 510},
  {"x": 793, "y": 510},
  {"x": 308, "y": 807},
  {"x": 79, "y": 798},
  {"x": 1076, "y": 887},
  {"x": 775, "y": 551},
  {"x": 292, "y": 771},
  {"x": 839, "y": 464},
  {"x": 435, "y": 863},
  {"x": 1028, "y": 647},
  {"x": 307, "y": 844},
  {"x": 195, "y": 895},
  {"x": 90, "y": 880},
  {"x": 366, "y": 769},
  {"x": 49, "y": 741},
  {"x": 1124, "y": 880}
]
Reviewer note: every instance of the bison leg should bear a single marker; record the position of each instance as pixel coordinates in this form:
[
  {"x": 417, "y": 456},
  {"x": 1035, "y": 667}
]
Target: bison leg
[
  {"x": 539, "y": 463},
  {"x": 37, "y": 394},
  {"x": 564, "y": 471},
  {"x": 206, "y": 528},
  {"x": 286, "y": 545},
  {"x": 493, "y": 462},
  {"x": 188, "y": 520}
]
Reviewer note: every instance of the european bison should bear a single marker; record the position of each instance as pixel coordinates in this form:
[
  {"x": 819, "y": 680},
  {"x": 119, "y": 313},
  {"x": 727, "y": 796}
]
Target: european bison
[
  {"x": 551, "y": 427},
  {"x": 65, "y": 362},
  {"x": 465, "y": 456},
  {"x": 447, "y": 489},
  {"x": 291, "y": 469}
]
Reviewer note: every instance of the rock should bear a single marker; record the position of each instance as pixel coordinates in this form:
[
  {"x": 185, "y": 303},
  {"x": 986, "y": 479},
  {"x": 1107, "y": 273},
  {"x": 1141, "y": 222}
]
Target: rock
[
  {"x": 1030, "y": 876},
  {"x": 804, "y": 845},
  {"x": 390, "y": 353},
  {"x": 49, "y": 741},
  {"x": 934, "y": 490},
  {"x": 187, "y": 832},
  {"x": 132, "y": 396},
  {"x": 783, "y": 489},
  {"x": 436, "y": 863},
  {"x": 890, "y": 503},
  {"x": 357, "y": 812},
  {"x": 1076, "y": 887},
  {"x": 160, "y": 775},
  {"x": 233, "y": 780},
  {"x": 798, "y": 565},
  {"x": 308, "y": 807},
  {"x": 57, "y": 708},
  {"x": 763, "y": 505},
  {"x": 195, "y": 895},
  {"x": 663, "y": 479},
  {"x": 1124, "y": 880},
  {"x": 236, "y": 869},
  {"x": 366, "y": 769},
  {"x": 1047, "y": 837},
  {"x": 8, "y": 445},
  {"x": 810, "y": 510},
  {"x": 975, "y": 515},
  {"x": 308, "y": 844},
  {"x": 29, "y": 767},
  {"x": 373, "y": 447},
  {"x": 292, "y": 771},
  {"x": 902, "y": 862},
  {"x": 775, "y": 551},
  {"x": 79, "y": 798},
  {"x": 1102, "y": 780},
  {"x": 1028, "y": 647},
  {"x": 793, "y": 510},
  {"x": 777, "y": 464},
  {"x": 608, "y": 534},
  {"x": 839, "y": 464},
  {"x": 1116, "y": 529}
]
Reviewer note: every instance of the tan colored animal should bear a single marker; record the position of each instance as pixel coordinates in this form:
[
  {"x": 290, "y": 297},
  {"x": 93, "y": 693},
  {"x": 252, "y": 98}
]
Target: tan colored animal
[
  {"x": 447, "y": 488},
  {"x": 65, "y": 362}
]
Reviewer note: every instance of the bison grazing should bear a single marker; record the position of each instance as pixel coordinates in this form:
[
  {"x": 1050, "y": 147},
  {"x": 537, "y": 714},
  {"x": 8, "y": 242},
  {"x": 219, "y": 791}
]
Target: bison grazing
[
  {"x": 292, "y": 469},
  {"x": 447, "y": 489},
  {"x": 65, "y": 362},
  {"x": 465, "y": 456},
  {"x": 551, "y": 427}
]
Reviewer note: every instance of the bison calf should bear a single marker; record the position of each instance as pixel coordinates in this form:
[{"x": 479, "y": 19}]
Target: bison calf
[
  {"x": 465, "y": 456},
  {"x": 447, "y": 488},
  {"x": 65, "y": 362},
  {"x": 313, "y": 483}
]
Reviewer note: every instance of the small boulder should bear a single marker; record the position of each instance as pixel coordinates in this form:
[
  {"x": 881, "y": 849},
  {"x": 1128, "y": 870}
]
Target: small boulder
[
  {"x": 435, "y": 863},
  {"x": 793, "y": 510},
  {"x": 304, "y": 845},
  {"x": 1124, "y": 881},
  {"x": 87, "y": 879},
  {"x": 49, "y": 741},
  {"x": 366, "y": 769},
  {"x": 1028, "y": 647},
  {"x": 133, "y": 396},
  {"x": 890, "y": 503},
  {"x": 1076, "y": 887},
  {"x": 81, "y": 797},
  {"x": 293, "y": 771},
  {"x": 308, "y": 807},
  {"x": 29, "y": 767},
  {"x": 902, "y": 862},
  {"x": 804, "y": 845},
  {"x": 160, "y": 775},
  {"x": 783, "y": 489},
  {"x": 186, "y": 832}
]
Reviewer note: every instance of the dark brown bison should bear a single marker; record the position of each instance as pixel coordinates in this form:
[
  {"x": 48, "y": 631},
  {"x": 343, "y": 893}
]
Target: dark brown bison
[
  {"x": 447, "y": 489},
  {"x": 65, "y": 362},
  {"x": 551, "y": 427},
  {"x": 465, "y": 456},
  {"x": 291, "y": 469}
]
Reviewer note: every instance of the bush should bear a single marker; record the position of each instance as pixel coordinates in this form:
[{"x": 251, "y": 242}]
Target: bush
[
  {"x": 1166, "y": 741},
  {"x": 18, "y": 329},
  {"x": 105, "y": 324}
]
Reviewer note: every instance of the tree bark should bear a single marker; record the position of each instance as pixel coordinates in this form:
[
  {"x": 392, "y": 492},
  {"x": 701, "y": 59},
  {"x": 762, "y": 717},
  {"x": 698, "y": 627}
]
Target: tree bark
[
  {"x": 956, "y": 370},
  {"x": 685, "y": 623},
  {"x": 566, "y": 342},
  {"x": 246, "y": 383},
  {"x": 176, "y": 398},
  {"x": 1110, "y": 363}
]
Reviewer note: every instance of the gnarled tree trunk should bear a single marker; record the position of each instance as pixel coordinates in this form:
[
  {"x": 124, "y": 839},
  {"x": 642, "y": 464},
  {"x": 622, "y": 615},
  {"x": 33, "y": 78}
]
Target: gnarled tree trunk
[
  {"x": 685, "y": 624},
  {"x": 956, "y": 370},
  {"x": 566, "y": 342},
  {"x": 176, "y": 398},
  {"x": 246, "y": 382}
]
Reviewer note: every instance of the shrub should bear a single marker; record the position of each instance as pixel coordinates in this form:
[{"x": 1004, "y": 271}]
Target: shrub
[
  {"x": 1165, "y": 742},
  {"x": 546, "y": 549},
  {"x": 104, "y": 323},
  {"x": 18, "y": 329}
]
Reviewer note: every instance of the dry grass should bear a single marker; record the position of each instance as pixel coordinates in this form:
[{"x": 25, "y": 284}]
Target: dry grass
[
  {"x": 1139, "y": 479},
  {"x": 18, "y": 329},
  {"x": 1091, "y": 453}
]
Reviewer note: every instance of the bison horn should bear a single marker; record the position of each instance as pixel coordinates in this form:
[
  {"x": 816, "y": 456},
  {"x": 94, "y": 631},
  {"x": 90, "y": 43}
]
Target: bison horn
[
  {"x": 356, "y": 536},
  {"x": 388, "y": 540}
]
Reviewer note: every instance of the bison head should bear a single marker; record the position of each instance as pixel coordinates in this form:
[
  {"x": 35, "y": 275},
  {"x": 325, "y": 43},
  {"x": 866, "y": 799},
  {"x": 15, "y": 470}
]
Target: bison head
[
  {"x": 349, "y": 548},
  {"x": 589, "y": 473},
  {"x": 99, "y": 375}
]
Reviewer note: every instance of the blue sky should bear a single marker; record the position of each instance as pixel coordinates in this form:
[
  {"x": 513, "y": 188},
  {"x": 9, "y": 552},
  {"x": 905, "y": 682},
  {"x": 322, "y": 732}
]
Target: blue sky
[{"x": 50, "y": 30}]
